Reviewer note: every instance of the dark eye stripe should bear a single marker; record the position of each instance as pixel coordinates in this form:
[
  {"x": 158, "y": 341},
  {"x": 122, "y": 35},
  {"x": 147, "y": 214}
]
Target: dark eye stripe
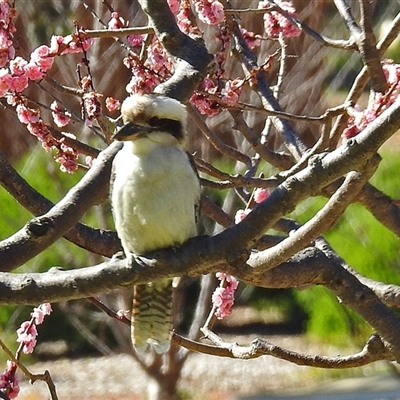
[{"x": 168, "y": 125}]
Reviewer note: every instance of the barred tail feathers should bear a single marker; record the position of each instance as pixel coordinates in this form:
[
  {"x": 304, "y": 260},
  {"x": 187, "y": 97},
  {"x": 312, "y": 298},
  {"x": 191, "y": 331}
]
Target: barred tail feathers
[{"x": 151, "y": 316}]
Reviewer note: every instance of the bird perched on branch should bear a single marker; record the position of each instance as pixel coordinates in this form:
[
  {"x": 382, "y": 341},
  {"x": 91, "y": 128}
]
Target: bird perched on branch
[{"x": 155, "y": 199}]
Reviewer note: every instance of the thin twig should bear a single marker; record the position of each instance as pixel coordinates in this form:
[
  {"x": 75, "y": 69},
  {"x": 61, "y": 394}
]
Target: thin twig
[
  {"x": 225, "y": 149},
  {"x": 45, "y": 377},
  {"x": 374, "y": 350}
]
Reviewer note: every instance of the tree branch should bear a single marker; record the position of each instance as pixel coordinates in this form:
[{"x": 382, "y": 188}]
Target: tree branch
[
  {"x": 193, "y": 58},
  {"x": 98, "y": 241},
  {"x": 374, "y": 350},
  {"x": 41, "y": 232},
  {"x": 257, "y": 75}
]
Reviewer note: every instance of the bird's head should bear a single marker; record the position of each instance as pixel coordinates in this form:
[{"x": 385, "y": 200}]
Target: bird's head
[{"x": 151, "y": 115}]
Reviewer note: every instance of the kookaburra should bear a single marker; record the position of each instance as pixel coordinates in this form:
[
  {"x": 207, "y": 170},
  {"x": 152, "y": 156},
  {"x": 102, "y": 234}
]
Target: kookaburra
[{"x": 155, "y": 199}]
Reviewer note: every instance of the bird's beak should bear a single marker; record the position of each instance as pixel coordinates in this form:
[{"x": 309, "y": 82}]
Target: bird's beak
[{"x": 131, "y": 131}]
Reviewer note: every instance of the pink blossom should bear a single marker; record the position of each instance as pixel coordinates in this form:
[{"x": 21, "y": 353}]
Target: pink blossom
[
  {"x": 135, "y": 40},
  {"x": 9, "y": 382},
  {"x": 204, "y": 103},
  {"x": 112, "y": 104},
  {"x": 55, "y": 43},
  {"x": 42, "y": 57},
  {"x": 27, "y": 115},
  {"x": 41, "y": 130},
  {"x": 26, "y": 335},
  {"x": 223, "y": 297},
  {"x": 68, "y": 162},
  {"x": 4, "y": 11},
  {"x": 92, "y": 105},
  {"x": 158, "y": 60},
  {"x": 18, "y": 83},
  {"x": 231, "y": 92},
  {"x": 241, "y": 215},
  {"x": 183, "y": 20},
  {"x": 4, "y": 79},
  {"x": 75, "y": 43},
  {"x": 392, "y": 73},
  {"x": 143, "y": 79},
  {"x": 40, "y": 312},
  {"x": 260, "y": 195},
  {"x": 5, "y": 40},
  {"x": 174, "y": 6},
  {"x": 378, "y": 102},
  {"x": 210, "y": 11},
  {"x": 12, "y": 99},
  {"x": 7, "y": 50},
  {"x": 252, "y": 39},
  {"x": 275, "y": 23},
  {"x": 17, "y": 66},
  {"x": 61, "y": 117},
  {"x": 33, "y": 71},
  {"x": 116, "y": 22}
]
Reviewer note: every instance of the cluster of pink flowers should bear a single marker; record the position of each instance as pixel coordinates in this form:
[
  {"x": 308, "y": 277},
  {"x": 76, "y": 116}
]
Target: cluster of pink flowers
[
  {"x": 91, "y": 105},
  {"x": 9, "y": 382},
  {"x": 378, "y": 102},
  {"x": 252, "y": 39},
  {"x": 7, "y": 28},
  {"x": 259, "y": 195},
  {"x": 34, "y": 123},
  {"x": 66, "y": 156},
  {"x": 116, "y": 22},
  {"x": 61, "y": 116},
  {"x": 203, "y": 102},
  {"x": 135, "y": 40},
  {"x": 229, "y": 94},
  {"x": 112, "y": 104},
  {"x": 26, "y": 337},
  {"x": 145, "y": 76},
  {"x": 223, "y": 297},
  {"x": 209, "y": 11},
  {"x": 183, "y": 18},
  {"x": 174, "y": 5},
  {"x": 27, "y": 333},
  {"x": 16, "y": 77},
  {"x": 275, "y": 23},
  {"x": 143, "y": 80}
]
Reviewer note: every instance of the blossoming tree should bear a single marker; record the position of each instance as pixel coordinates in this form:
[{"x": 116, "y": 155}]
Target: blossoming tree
[{"x": 230, "y": 62}]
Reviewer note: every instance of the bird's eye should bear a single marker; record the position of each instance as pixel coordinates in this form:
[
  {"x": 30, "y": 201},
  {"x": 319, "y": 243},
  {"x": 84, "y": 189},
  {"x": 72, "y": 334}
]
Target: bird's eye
[{"x": 154, "y": 121}]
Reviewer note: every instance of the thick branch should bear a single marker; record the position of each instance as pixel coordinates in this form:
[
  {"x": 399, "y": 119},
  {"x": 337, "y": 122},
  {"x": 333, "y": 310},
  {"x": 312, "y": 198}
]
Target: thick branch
[
  {"x": 311, "y": 266},
  {"x": 193, "y": 58},
  {"x": 41, "y": 232},
  {"x": 322, "y": 170},
  {"x": 320, "y": 223},
  {"x": 97, "y": 241}
]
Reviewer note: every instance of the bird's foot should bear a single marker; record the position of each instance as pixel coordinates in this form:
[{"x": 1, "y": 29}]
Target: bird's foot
[
  {"x": 141, "y": 261},
  {"x": 119, "y": 255}
]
